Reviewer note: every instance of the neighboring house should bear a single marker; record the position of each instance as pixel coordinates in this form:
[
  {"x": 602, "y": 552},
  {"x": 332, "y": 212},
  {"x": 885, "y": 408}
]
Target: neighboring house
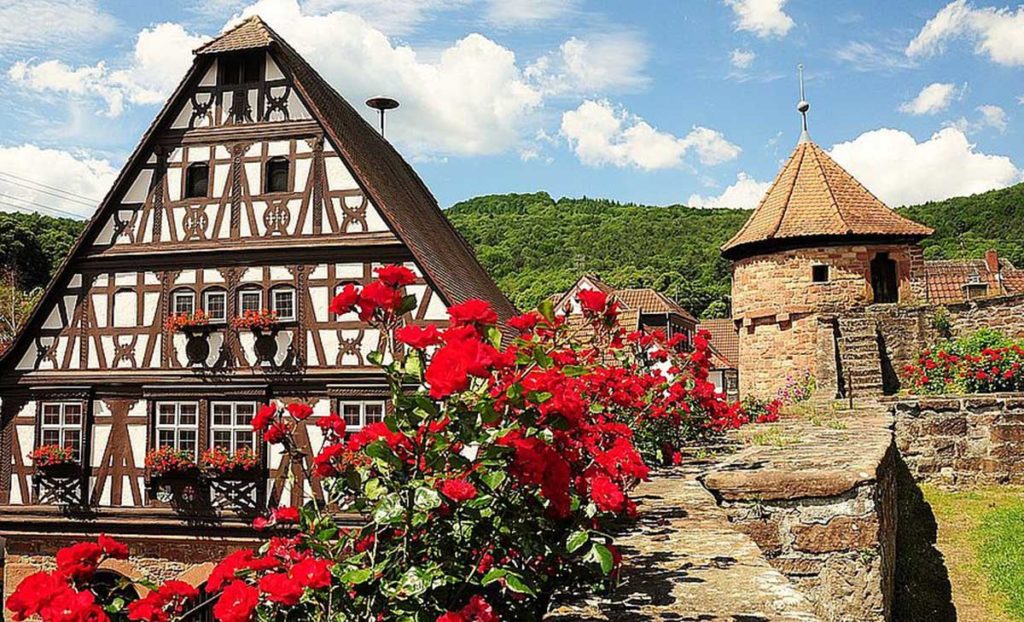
[
  {"x": 257, "y": 187},
  {"x": 960, "y": 280},
  {"x": 725, "y": 352},
  {"x": 640, "y": 308}
]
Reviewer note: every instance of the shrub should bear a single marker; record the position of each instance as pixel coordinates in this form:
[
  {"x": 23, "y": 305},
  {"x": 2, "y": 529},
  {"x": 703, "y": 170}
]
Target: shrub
[
  {"x": 983, "y": 362},
  {"x": 491, "y": 485}
]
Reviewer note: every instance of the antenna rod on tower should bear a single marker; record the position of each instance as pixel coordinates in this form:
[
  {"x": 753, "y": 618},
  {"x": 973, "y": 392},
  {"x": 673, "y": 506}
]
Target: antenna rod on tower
[
  {"x": 802, "y": 106},
  {"x": 381, "y": 105}
]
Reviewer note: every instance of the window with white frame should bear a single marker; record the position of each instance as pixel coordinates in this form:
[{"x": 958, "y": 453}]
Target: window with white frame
[
  {"x": 183, "y": 302},
  {"x": 250, "y": 300},
  {"x": 215, "y": 303},
  {"x": 177, "y": 426},
  {"x": 282, "y": 302},
  {"x": 359, "y": 413},
  {"x": 62, "y": 425},
  {"x": 231, "y": 425}
]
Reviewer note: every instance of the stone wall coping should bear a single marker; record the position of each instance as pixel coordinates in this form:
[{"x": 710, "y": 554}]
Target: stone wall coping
[
  {"x": 684, "y": 560},
  {"x": 822, "y": 462}
]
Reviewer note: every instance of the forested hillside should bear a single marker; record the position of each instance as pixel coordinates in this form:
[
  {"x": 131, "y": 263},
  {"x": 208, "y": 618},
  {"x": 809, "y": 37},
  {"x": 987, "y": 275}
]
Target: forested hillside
[{"x": 534, "y": 245}]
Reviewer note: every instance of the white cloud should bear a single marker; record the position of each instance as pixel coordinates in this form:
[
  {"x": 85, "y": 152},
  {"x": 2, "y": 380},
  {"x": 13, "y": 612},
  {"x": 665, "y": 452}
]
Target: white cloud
[
  {"x": 995, "y": 32},
  {"x": 472, "y": 98},
  {"x": 764, "y": 18},
  {"x": 34, "y": 25},
  {"x": 993, "y": 116},
  {"x": 159, "y": 59},
  {"x": 747, "y": 192},
  {"x": 600, "y": 134},
  {"x": 515, "y": 13},
  {"x": 933, "y": 98},
  {"x": 598, "y": 63},
  {"x": 741, "y": 59},
  {"x": 77, "y": 173},
  {"x": 902, "y": 171},
  {"x": 393, "y": 17},
  {"x": 863, "y": 56}
]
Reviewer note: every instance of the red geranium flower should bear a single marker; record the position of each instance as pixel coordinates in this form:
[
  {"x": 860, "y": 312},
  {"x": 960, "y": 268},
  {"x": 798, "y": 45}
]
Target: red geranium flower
[
  {"x": 458, "y": 490},
  {"x": 79, "y": 561},
  {"x": 473, "y": 311},
  {"x": 345, "y": 301},
  {"x": 281, "y": 589},
  {"x": 395, "y": 276},
  {"x": 419, "y": 337},
  {"x": 237, "y": 603},
  {"x": 299, "y": 410},
  {"x": 276, "y": 433}
]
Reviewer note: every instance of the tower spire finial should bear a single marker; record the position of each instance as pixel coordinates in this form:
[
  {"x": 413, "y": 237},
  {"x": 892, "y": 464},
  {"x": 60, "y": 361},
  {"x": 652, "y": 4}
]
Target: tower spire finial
[{"x": 803, "y": 107}]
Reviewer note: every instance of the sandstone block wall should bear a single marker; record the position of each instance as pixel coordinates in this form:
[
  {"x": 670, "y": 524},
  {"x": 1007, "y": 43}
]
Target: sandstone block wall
[
  {"x": 962, "y": 439},
  {"x": 824, "y": 512},
  {"x": 778, "y": 305}
]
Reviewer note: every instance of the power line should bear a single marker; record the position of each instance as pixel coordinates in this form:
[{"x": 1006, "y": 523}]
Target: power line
[
  {"x": 50, "y": 190},
  {"x": 52, "y": 211},
  {"x": 54, "y": 188}
]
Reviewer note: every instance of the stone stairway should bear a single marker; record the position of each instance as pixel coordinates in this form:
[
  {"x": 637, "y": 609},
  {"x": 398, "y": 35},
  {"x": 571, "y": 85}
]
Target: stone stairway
[{"x": 858, "y": 350}]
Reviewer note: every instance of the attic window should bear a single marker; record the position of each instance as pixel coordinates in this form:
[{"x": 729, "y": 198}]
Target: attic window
[
  {"x": 819, "y": 273},
  {"x": 197, "y": 180},
  {"x": 240, "y": 68},
  {"x": 276, "y": 175}
]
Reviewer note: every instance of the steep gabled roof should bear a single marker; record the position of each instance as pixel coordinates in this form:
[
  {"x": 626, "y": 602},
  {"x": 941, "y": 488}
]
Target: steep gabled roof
[
  {"x": 395, "y": 188},
  {"x": 725, "y": 339},
  {"x": 647, "y": 300},
  {"x": 815, "y": 198},
  {"x": 387, "y": 179}
]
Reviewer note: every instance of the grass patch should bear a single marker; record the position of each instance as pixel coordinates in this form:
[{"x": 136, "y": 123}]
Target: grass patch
[
  {"x": 1001, "y": 549},
  {"x": 983, "y": 548},
  {"x": 773, "y": 437}
]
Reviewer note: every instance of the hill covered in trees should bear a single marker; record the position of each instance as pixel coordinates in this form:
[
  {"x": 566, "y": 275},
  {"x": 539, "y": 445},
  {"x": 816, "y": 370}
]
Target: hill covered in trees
[{"x": 534, "y": 245}]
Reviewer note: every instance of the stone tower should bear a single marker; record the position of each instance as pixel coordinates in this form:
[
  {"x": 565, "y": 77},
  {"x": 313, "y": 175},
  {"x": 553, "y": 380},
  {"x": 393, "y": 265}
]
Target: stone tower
[{"x": 818, "y": 246}]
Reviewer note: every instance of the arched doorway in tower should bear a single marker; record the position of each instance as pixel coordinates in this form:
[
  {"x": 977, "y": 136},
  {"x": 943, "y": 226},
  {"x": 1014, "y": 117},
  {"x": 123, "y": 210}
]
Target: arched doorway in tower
[{"x": 884, "y": 282}]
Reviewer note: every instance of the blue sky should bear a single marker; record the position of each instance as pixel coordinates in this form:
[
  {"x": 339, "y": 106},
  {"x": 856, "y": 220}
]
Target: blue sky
[{"x": 658, "y": 102}]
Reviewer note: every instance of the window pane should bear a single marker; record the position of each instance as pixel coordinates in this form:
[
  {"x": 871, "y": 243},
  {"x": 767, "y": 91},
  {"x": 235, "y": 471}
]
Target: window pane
[
  {"x": 374, "y": 413},
  {"x": 222, "y": 439},
  {"x": 243, "y": 439},
  {"x": 189, "y": 408},
  {"x": 187, "y": 419},
  {"x": 184, "y": 303},
  {"x": 165, "y": 419},
  {"x": 221, "y": 418},
  {"x": 251, "y": 301},
  {"x": 350, "y": 412},
  {"x": 216, "y": 305},
  {"x": 51, "y": 437},
  {"x": 197, "y": 180},
  {"x": 187, "y": 440}
]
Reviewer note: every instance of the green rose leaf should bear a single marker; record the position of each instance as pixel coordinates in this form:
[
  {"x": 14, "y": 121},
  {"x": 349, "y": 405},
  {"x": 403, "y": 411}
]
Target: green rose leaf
[
  {"x": 576, "y": 540},
  {"x": 600, "y": 554},
  {"x": 355, "y": 577}
]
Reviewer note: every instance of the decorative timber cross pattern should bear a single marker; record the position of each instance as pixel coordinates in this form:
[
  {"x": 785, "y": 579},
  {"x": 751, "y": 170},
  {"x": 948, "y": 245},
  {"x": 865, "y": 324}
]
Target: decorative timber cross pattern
[
  {"x": 277, "y": 218},
  {"x": 118, "y": 461}
]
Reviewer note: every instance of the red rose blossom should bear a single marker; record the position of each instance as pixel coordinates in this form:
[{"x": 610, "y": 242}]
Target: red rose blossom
[
  {"x": 237, "y": 603},
  {"x": 458, "y": 490},
  {"x": 281, "y": 589},
  {"x": 419, "y": 337},
  {"x": 276, "y": 433},
  {"x": 299, "y": 410}
]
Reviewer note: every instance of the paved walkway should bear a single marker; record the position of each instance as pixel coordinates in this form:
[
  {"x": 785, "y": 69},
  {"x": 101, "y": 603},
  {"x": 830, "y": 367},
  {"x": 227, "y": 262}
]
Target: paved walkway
[{"x": 685, "y": 562}]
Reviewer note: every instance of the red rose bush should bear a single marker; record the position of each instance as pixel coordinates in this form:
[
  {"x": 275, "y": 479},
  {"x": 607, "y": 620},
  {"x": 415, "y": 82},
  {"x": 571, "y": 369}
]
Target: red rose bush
[{"x": 491, "y": 485}]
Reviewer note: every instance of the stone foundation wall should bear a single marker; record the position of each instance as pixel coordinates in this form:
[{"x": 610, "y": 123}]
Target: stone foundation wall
[
  {"x": 962, "y": 439},
  {"x": 824, "y": 512}
]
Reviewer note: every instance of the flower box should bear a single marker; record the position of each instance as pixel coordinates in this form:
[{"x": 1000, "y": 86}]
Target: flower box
[
  {"x": 257, "y": 321},
  {"x": 190, "y": 324},
  {"x": 55, "y": 461},
  {"x": 218, "y": 463},
  {"x": 168, "y": 463}
]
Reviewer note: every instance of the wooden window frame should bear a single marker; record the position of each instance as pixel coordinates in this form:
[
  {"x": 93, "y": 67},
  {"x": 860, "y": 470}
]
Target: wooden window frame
[
  {"x": 180, "y": 293},
  {"x": 206, "y": 304},
  {"x": 284, "y": 289},
  {"x": 177, "y": 427},
  {"x": 189, "y": 183},
  {"x": 249, "y": 290},
  {"x": 274, "y": 162},
  {"x": 233, "y": 428},
  {"x": 362, "y": 415},
  {"x": 63, "y": 427}
]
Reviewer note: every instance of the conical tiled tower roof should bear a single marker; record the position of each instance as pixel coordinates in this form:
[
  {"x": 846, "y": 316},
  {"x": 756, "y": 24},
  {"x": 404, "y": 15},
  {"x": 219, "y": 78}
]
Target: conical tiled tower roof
[{"x": 816, "y": 200}]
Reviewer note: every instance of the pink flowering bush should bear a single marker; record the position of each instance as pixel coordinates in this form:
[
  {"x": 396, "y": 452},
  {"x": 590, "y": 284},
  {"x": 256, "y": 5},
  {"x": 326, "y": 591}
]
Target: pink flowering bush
[{"x": 491, "y": 485}]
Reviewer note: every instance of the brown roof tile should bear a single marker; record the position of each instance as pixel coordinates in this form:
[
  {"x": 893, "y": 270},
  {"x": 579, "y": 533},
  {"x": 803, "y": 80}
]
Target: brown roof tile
[
  {"x": 647, "y": 300},
  {"x": 946, "y": 279},
  {"x": 251, "y": 34},
  {"x": 814, "y": 197},
  {"x": 724, "y": 338}
]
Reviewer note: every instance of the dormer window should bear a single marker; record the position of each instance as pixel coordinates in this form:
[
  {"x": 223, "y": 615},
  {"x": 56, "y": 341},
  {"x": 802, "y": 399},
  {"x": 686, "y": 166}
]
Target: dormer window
[
  {"x": 240, "y": 68},
  {"x": 276, "y": 175},
  {"x": 197, "y": 180}
]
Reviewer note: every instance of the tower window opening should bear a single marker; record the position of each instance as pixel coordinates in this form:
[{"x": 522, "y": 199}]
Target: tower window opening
[{"x": 819, "y": 274}]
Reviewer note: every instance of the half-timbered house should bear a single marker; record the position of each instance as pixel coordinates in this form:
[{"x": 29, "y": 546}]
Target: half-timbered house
[{"x": 257, "y": 187}]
